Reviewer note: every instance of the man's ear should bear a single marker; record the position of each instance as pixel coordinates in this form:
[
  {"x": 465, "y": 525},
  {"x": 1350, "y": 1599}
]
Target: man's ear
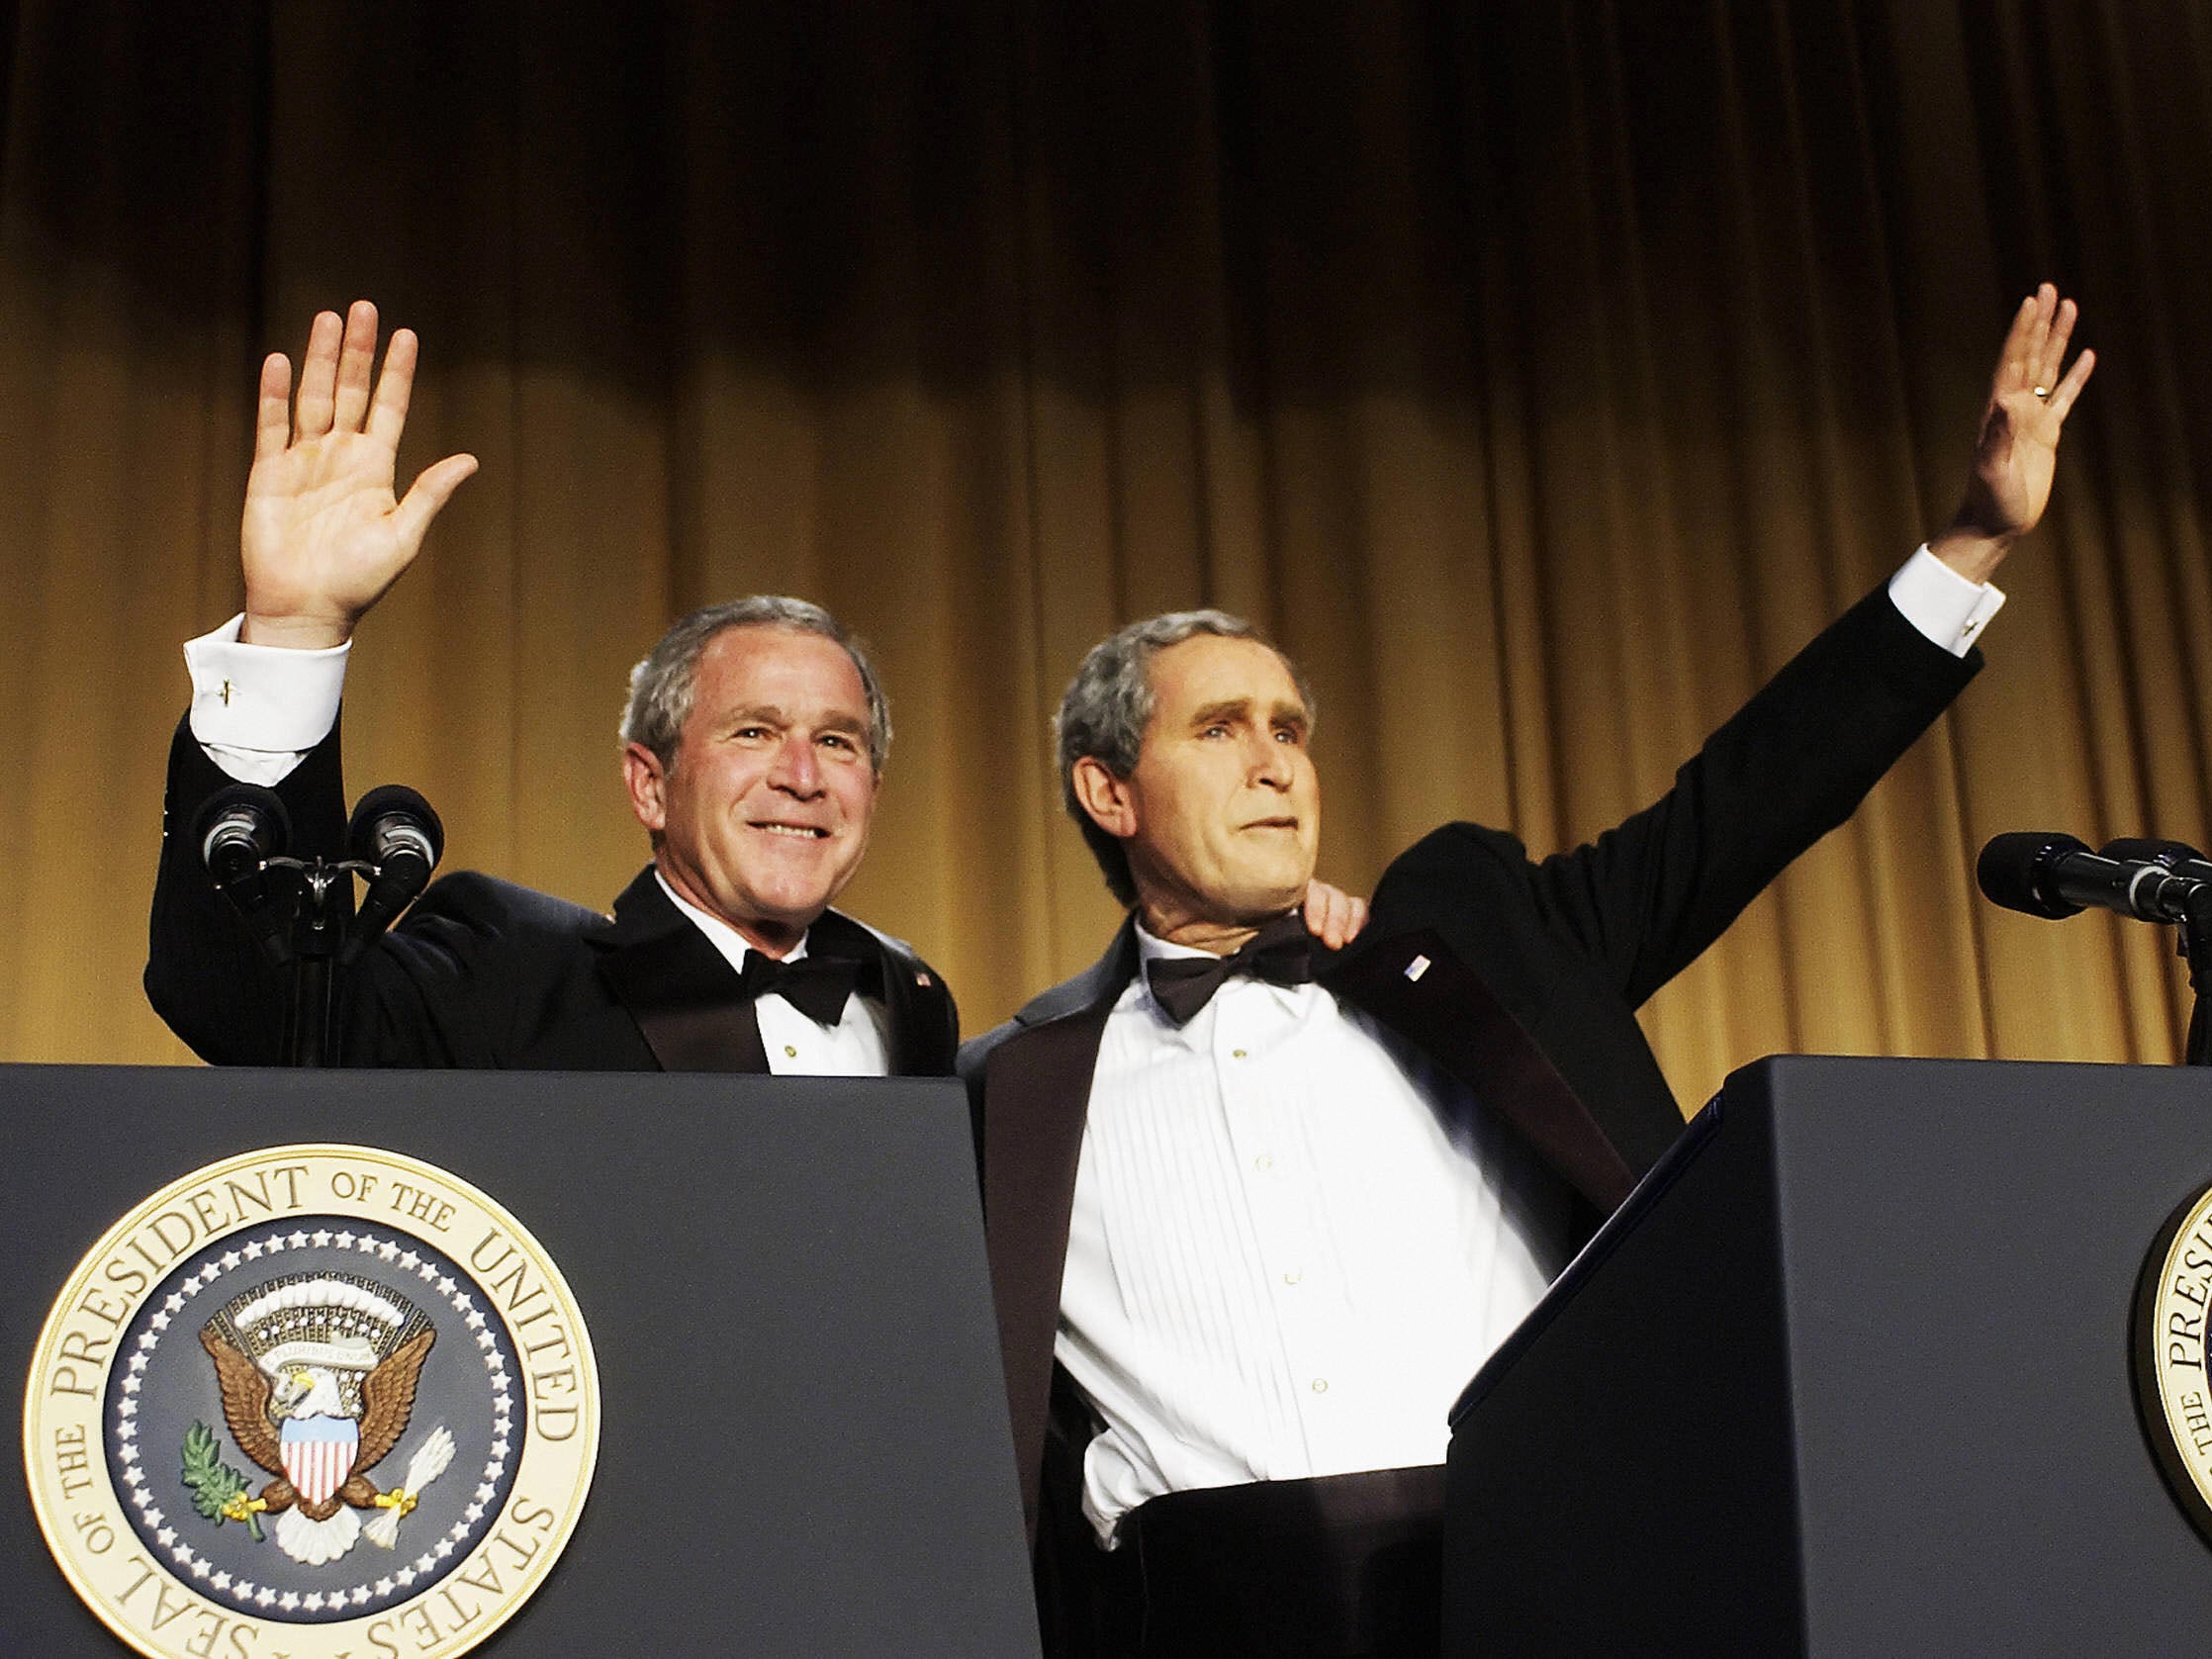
[
  {"x": 1104, "y": 796},
  {"x": 648, "y": 785}
]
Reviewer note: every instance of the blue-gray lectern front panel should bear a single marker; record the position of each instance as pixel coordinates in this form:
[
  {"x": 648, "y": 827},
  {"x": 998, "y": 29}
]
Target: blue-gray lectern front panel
[
  {"x": 1851, "y": 1376},
  {"x": 805, "y": 1446}
]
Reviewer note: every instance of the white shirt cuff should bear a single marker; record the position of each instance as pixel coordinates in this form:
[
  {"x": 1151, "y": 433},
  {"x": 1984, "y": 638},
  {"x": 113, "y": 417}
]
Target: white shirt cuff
[
  {"x": 1943, "y": 605},
  {"x": 260, "y": 708}
]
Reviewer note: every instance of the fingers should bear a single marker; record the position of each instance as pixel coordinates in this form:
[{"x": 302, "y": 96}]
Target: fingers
[
  {"x": 388, "y": 415},
  {"x": 2053, "y": 357},
  {"x": 1318, "y": 897},
  {"x": 2042, "y": 330},
  {"x": 410, "y": 520},
  {"x": 2026, "y": 342},
  {"x": 272, "y": 413},
  {"x": 2070, "y": 388},
  {"x": 2012, "y": 357},
  {"x": 318, "y": 376},
  {"x": 1332, "y": 915},
  {"x": 340, "y": 389},
  {"x": 2046, "y": 302},
  {"x": 356, "y": 358}
]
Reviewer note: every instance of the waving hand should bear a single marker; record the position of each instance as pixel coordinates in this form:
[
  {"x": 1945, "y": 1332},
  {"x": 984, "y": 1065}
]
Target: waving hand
[
  {"x": 324, "y": 536},
  {"x": 2017, "y": 450}
]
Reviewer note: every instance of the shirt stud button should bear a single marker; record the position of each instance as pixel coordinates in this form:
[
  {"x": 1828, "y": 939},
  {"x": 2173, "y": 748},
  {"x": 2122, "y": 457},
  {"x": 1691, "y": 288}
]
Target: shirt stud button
[
  {"x": 1238, "y": 1054},
  {"x": 1321, "y": 1385},
  {"x": 1292, "y": 1277},
  {"x": 1263, "y": 1162},
  {"x": 790, "y": 1052}
]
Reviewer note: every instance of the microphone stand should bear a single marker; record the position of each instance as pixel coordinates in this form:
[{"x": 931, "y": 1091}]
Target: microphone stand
[
  {"x": 400, "y": 836},
  {"x": 2196, "y": 950},
  {"x": 317, "y": 933}
]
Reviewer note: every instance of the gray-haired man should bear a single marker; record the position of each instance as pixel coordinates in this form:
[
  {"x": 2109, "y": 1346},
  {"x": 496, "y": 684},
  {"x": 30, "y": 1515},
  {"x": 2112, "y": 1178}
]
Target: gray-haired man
[
  {"x": 1255, "y": 1215},
  {"x": 754, "y": 745}
]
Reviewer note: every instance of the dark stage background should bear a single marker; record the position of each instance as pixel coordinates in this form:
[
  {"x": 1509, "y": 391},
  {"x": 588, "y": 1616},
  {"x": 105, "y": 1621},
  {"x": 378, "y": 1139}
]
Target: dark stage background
[{"x": 1542, "y": 372}]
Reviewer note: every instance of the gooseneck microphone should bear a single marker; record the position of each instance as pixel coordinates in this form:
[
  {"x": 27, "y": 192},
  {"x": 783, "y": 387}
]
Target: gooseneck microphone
[
  {"x": 2044, "y": 874},
  {"x": 398, "y": 836}
]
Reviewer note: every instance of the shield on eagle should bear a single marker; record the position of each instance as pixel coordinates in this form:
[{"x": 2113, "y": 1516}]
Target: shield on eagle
[{"x": 317, "y": 1453}]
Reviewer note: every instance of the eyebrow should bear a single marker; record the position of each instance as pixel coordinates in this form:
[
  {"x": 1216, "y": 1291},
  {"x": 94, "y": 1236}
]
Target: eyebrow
[
  {"x": 773, "y": 714},
  {"x": 1240, "y": 709}
]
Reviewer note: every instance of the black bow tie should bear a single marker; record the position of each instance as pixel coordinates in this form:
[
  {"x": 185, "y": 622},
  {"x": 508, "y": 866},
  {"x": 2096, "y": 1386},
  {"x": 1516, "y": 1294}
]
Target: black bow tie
[
  {"x": 816, "y": 986},
  {"x": 1281, "y": 952}
]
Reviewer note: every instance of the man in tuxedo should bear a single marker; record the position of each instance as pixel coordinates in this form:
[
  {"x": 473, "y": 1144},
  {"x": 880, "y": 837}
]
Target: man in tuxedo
[
  {"x": 753, "y": 749},
  {"x": 1256, "y": 1212}
]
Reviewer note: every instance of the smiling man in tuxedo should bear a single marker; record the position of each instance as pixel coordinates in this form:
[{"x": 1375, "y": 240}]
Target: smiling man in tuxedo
[
  {"x": 1256, "y": 1212},
  {"x": 754, "y": 747}
]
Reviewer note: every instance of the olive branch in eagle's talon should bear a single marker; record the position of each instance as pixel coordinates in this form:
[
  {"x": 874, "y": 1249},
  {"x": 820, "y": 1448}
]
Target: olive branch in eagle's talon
[{"x": 217, "y": 1490}]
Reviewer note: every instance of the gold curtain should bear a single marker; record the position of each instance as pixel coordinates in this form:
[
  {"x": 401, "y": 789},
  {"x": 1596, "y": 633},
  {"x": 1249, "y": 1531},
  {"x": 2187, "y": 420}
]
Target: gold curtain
[{"x": 1541, "y": 375}]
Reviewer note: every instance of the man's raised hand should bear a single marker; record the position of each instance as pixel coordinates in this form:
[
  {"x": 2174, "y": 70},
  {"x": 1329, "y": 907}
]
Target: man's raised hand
[
  {"x": 2017, "y": 450},
  {"x": 324, "y": 536}
]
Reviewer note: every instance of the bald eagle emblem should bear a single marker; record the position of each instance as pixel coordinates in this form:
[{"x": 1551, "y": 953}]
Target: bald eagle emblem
[{"x": 318, "y": 1373}]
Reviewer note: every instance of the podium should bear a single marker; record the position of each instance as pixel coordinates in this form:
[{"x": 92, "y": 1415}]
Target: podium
[
  {"x": 804, "y": 1444},
  {"x": 1850, "y": 1374}
]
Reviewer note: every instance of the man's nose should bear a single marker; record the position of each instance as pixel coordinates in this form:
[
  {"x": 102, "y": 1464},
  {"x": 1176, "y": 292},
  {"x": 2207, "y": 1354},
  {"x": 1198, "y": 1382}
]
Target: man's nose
[
  {"x": 1270, "y": 762},
  {"x": 797, "y": 769}
]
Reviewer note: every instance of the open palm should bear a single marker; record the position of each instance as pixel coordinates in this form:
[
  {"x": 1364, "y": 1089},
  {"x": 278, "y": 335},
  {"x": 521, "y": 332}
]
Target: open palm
[
  {"x": 323, "y": 534},
  {"x": 2017, "y": 450}
]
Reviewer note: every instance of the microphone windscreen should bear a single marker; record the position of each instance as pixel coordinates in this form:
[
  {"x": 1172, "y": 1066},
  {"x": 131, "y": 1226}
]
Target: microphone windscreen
[
  {"x": 391, "y": 800},
  {"x": 258, "y": 810},
  {"x": 2011, "y": 866}
]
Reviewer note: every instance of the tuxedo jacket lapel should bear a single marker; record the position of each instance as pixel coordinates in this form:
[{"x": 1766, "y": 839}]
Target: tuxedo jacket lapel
[
  {"x": 920, "y": 1044},
  {"x": 681, "y": 991},
  {"x": 1037, "y": 1084},
  {"x": 1416, "y": 985}
]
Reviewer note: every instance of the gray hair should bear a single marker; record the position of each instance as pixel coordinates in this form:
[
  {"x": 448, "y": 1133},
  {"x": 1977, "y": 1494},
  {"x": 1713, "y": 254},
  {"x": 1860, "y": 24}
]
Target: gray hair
[
  {"x": 1109, "y": 703},
  {"x": 661, "y": 686}
]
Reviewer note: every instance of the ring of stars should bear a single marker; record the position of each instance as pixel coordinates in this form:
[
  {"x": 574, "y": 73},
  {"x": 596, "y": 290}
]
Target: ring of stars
[{"x": 247, "y": 1593}]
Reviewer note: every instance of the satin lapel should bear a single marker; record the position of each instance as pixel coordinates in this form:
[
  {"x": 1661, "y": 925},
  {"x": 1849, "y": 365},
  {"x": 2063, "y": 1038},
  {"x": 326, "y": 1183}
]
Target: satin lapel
[
  {"x": 1416, "y": 985},
  {"x": 1036, "y": 1097},
  {"x": 677, "y": 987}
]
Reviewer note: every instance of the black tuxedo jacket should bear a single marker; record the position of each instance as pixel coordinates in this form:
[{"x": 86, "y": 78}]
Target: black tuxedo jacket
[
  {"x": 1521, "y": 977},
  {"x": 483, "y": 973}
]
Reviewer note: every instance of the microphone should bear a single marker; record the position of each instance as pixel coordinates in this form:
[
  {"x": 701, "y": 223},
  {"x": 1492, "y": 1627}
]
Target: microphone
[
  {"x": 2043, "y": 874},
  {"x": 399, "y": 837},
  {"x": 239, "y": 830}
]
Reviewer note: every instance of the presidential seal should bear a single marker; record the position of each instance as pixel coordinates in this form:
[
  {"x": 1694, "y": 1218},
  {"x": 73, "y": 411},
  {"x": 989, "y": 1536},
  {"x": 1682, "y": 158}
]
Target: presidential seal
[
  {"x": 2170, "y": 1351},
  {"x": 317, "y": 1400}
]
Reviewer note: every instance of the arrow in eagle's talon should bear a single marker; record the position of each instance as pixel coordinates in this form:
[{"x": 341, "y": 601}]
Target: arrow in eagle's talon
[{"x": 427, "y": 1463}]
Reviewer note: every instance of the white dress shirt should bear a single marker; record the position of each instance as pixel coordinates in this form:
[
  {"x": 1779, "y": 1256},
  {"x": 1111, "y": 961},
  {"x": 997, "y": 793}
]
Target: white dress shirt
[
  {"x": 257, "y": 710},
  {"x": 1294, "y": 1239}
]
